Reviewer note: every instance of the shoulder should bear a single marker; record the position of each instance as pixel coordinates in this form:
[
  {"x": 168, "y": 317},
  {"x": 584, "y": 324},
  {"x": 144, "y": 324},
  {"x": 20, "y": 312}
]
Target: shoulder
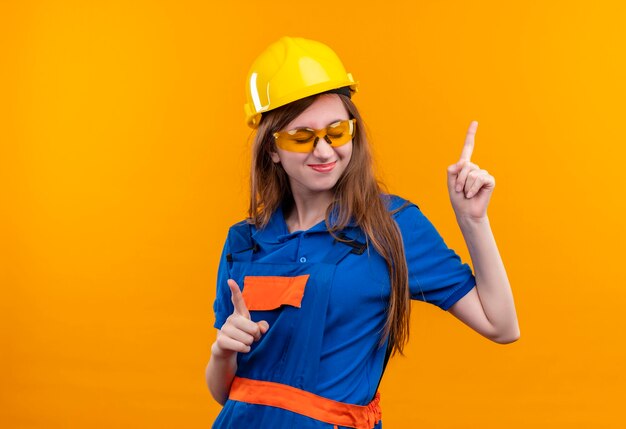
[
  {"x": 407, "y": 214},
  {"x": 396, "y": 204},
  {"x": 245, "y": 223},
  {"x": 240, "y": 232},
  {"x": 241, "y": 226}
]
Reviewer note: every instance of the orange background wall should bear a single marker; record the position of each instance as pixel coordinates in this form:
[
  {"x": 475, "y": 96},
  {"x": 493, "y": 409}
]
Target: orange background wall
[{"x": 124, "y": 159}]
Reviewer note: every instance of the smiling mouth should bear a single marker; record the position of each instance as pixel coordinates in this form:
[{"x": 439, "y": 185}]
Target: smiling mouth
[{"x": 323, "y": 168}]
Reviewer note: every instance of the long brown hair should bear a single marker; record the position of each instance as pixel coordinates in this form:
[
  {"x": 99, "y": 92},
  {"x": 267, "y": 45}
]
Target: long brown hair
[{"x": 357, "y": 195}]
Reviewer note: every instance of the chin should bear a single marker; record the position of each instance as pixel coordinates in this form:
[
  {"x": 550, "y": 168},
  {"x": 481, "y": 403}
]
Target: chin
[{"x": 322, "y": 186}]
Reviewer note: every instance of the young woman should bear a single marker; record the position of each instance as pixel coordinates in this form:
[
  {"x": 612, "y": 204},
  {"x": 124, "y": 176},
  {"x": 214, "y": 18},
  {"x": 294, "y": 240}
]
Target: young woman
[{"x": 313, "y": 288}]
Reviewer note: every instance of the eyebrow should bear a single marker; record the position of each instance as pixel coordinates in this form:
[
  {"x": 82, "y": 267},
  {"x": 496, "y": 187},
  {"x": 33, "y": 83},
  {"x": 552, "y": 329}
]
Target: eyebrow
[{"x": 311, "y": 128}]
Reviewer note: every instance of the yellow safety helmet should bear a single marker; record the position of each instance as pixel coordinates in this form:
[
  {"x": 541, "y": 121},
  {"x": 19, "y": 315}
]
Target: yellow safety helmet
[{"x": 290, "y": 69}]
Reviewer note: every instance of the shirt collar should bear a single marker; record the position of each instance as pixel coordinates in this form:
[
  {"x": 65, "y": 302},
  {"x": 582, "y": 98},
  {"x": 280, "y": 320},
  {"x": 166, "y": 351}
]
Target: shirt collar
[{"x": 276, "y": 230}]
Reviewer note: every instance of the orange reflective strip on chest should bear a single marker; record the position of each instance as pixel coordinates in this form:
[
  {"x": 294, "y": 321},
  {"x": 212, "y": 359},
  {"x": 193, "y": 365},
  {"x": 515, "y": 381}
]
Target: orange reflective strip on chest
[
  {"x": 306, "y": 403},
  {"x": 270, "y": 292}
]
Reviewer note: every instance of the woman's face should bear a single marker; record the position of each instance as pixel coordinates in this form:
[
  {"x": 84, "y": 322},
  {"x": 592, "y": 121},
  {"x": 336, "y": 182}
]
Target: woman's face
[{"x": 319, "y": 170}]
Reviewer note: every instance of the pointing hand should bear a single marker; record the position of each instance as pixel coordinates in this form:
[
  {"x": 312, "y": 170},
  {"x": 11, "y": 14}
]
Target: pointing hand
[
  {"x": 239, "y": 331},
  {"x": 469, "y": 187}
]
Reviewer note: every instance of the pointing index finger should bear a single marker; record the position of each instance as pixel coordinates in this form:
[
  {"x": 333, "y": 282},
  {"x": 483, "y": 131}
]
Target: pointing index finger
[
  {"x": 237, "y": 298},
  {"x": 468, "y": 147}
]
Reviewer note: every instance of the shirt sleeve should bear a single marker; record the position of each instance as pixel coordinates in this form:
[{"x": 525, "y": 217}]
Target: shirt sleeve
[
  {"x": 436, "y": 273},
  {"x": 222, "y": 306}
]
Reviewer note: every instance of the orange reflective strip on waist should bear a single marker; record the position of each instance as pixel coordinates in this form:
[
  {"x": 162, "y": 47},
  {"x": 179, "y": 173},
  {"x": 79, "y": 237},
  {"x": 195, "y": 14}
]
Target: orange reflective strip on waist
[{"x": 306, "y": 403}]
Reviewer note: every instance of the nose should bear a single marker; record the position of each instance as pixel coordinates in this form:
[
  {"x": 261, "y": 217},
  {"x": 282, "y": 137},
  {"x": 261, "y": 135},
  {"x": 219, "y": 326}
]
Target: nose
[{"x": 323, "y": 150}]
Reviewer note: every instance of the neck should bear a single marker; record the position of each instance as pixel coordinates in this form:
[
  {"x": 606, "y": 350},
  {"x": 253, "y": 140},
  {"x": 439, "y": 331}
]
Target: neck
[{"x": 308, "y": 210}]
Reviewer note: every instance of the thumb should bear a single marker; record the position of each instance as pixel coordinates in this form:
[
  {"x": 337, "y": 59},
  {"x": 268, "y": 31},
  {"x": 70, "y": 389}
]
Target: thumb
[
  {"x": 455, "y": 168},
  {"x": 453, "y": 171},
  {"x": 263, "y": 326}
]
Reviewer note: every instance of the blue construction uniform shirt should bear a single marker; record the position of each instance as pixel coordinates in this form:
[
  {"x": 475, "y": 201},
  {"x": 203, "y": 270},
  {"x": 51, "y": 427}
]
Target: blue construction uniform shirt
[{"x": 351, "y": 361}]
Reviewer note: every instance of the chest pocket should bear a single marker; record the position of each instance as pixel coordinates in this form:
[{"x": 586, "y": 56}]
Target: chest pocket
[{"x": 263, "y": 293}]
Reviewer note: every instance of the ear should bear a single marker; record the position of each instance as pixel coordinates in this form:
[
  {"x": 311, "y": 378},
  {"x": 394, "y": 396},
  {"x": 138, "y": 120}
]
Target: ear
[{"x": 275, "y": 157}]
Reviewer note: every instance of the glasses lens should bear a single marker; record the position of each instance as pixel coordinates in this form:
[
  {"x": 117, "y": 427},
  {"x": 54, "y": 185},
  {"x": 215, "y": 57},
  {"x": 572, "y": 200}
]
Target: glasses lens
[
  {"x": 298, "y": 140},
  {"x": 303, "y": 139},
  {"x": 301, "y": 136},
  {"x": 340, "y": 132}
]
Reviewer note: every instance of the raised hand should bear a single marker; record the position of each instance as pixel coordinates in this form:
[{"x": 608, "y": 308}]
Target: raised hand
[
  {"x": 239, "y": 331},
  {"x": 469, "y": 186}
]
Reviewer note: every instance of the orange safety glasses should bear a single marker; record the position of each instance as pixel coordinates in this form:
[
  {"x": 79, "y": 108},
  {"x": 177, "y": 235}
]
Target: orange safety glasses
[{"x": 305, "y": 139}]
